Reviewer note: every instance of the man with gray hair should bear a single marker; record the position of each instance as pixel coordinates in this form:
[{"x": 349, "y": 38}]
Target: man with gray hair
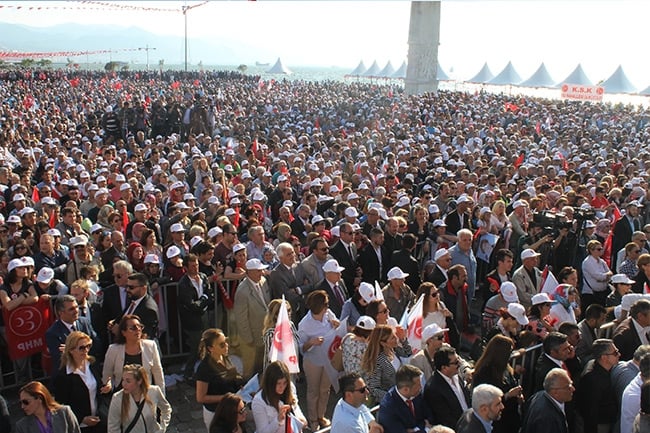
[
  {"x": 546, "y": 412},
  {"x": 631, "y": 400},
  {"x": 462, "y": 254},
  {"x": 283, "y": 281},
  {"x": 486, "y": 408}
]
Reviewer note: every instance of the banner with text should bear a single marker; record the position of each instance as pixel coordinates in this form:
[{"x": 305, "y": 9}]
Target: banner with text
[
  {"x": 582, "y": 93},
  {"x": 25, "y": 328}
]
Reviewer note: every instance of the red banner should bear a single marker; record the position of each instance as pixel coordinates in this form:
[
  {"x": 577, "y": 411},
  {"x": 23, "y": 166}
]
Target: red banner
[{"x": 25, "y": 328}]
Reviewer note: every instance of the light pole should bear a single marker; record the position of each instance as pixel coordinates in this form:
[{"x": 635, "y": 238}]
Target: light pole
[{"x": 185, "y": 9}]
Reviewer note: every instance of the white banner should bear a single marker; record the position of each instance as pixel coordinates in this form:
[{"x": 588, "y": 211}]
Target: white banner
[{"x": 582, "y": 93}]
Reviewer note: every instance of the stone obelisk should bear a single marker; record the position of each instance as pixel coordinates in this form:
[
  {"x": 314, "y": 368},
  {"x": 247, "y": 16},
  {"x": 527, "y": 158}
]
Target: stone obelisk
[{"x": 424, "y": 38}]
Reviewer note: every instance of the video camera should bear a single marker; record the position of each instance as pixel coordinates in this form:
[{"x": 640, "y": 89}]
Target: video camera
[{"x": 551, "y": 222}]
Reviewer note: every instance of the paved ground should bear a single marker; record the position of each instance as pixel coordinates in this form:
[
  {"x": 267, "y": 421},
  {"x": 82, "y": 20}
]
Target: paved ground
[{"x": 187, "y": 415}]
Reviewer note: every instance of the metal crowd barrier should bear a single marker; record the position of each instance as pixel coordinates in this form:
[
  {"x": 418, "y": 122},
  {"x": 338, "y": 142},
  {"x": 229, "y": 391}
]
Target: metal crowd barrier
[
  {"x": 171, "y": 341},
  {"x": 607, "y": 330}
]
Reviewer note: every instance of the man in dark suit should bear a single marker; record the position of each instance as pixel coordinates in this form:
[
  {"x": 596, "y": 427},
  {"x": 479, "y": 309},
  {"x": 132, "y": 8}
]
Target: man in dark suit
[
  {"x": 115, "y": 298},
  {"x": 68, "y": 312},
  {"x": 193, "y": 304},
  {"x": 459, "y": 218},
  {"x": 392, "y": 238},
  {"x": 283, "y": 281},
  {"x": 557, "y": 350},
  {"x": 404, "y": 260},
  {"x": 92, "y": 311},
  {"x": 445, "y": 393},
  {"x": 438, "y": 275},
  {"x": 345, "y": 253},
  {"x": 623, "y": 229},
  {"x": 334, "y": 286},
  {"x": 374, "y": 259},
  {"x": 544, "y": 415},
  {"x": 300, "y": 226},
  {"x": 142, "y": 304},
  {"x": 627, "y": 335},
  {"x": 486, "y": 408},
  {"x": 402, "y": 409}
]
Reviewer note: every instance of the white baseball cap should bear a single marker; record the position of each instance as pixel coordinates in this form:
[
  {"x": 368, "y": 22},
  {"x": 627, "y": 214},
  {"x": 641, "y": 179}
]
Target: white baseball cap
[
  {"x": 518, "y": 311},
  {"x": 255, "y": 265},
  {"x": 509, "y": 292},
  {"x": 540, "y": 298},
  {"x": 441, "y": 253},
  {"x": 395, "y": 273},
  {"x": 332, "y": 266},
  {"x": 238, "y": 247},
  {"x": 177, "y": 227},
  {"x": 621, "y": 279},
  {"x": 431, "y": 331},
  {"x": 45, "y": 275},
  {"x": 214, "y": 231},
  {"x": 152, "y": 258},
  {"x": 140, "y": 207},
  {"x": 528, "y": 253},
  {"x": 351, "y": 212},
  {"x": 366, "y": 322},
  {"x": 173, "y": 251}
]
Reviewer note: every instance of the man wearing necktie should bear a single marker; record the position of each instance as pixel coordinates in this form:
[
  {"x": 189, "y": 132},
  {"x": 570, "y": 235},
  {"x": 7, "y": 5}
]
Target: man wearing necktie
[
  {"x": 402, "y": 409},
  {"x": 67, "y": 311},
  {"x": 334, "y": 286},
  {"x": 80, "y": 290},
  {"x": 142, "y": 304}
]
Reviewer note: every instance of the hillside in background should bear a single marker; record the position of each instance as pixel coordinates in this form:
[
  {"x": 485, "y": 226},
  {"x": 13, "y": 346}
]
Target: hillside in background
[{"x": 75, "y": 37}]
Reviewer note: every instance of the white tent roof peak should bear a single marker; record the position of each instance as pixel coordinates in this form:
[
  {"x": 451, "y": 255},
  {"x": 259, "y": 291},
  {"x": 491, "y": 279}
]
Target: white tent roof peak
[{"x": 279, "y": 68}]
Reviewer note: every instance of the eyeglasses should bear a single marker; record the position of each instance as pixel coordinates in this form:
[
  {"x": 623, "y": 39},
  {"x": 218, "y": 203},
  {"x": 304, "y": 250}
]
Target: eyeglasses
[
  {"x": 362, "y": 390},
  {"x": 456, "y": 362},
  {"x": 133, "y": 287},
  {"x": 21, "y": 247},
  {"x": 598, "y": 249},
  {"x": 26, "y": 402},
  {"x": 323, "y": 249},
  {"x": 383, "y": 311},
  {"x": 615, "y": 353},
  {"x": 435, "y": 294},
  {"x": 85, "y": 347},
  {"x": 439, "y": 337},
  {"x": 636, "y": 251},
  {"x": 135, "y": 327},
  {"x": 242, "y": 410}
]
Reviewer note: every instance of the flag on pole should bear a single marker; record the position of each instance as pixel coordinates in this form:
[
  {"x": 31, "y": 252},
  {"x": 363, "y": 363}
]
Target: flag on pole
[
  {"x": 283, "y": 348},
  {"x": 412, "y": 322},
  {"x": 549, "y": 283},
  {"x": 125, "y": 220},
  {"x": 36, "y": 197},
  {"x": 292, "y": 424},
  {"x": 519, "y": 160}
]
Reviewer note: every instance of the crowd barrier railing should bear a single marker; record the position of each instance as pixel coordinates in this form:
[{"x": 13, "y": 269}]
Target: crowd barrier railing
[{"x": 607, "y": 330}]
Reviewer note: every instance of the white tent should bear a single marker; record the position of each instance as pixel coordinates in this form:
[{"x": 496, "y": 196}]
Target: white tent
[
  {"x": 388, "y": 71},
  {"x": 483, "y": 76},
  {"x": 508, "y": 76},
  {"x": 359, "y": 70},
  {"x": 373, "y": 71},
  {"x": 541, "y": 78},
  {"x": 618, "y": 83},
  {"x": 645, "y": 92},
  {"x": 401, "y": 72},
  {"x": 578, "y": 76},
  {"x": 279, "y": 68}
]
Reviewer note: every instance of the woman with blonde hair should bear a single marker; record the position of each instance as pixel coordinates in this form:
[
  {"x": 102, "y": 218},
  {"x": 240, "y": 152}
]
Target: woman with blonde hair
[
  {"x": 79, "y": 384},
  {"x": 43, "y": 413},
  {"x": 283, "y": 233},
  {"x": 134, "y": 408},
  {"x": 215, "y": 375}
]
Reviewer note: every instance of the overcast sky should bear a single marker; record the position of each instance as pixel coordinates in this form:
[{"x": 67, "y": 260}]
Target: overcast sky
[{"x": 599, "y": 34}]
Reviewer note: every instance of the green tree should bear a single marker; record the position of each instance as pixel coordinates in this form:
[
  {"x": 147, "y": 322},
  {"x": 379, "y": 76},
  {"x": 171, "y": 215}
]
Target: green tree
[
  {"x": 45, "y": 63},
  {"x": 27, "y": 63},
  {"x": 242, "y": 68}
]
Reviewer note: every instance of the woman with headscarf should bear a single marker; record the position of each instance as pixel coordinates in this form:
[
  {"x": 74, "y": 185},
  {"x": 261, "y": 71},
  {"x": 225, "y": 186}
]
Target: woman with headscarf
[
  {"x": 565, "y": 303},
  {"x": 135, "y": 256}
]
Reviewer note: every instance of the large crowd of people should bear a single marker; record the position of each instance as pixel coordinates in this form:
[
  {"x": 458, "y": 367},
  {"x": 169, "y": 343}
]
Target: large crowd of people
[{"x": 150, "y": 207}]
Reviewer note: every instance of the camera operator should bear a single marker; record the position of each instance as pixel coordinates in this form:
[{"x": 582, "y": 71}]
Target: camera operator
[{"x": 539, "y": 239}]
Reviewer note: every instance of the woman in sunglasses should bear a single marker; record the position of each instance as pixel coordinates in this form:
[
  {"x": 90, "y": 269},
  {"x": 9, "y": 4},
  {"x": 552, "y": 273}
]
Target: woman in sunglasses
[
  {"x": 230, "y": 415},
  {"x": 42, "y": 412},
  {"x": 131, "y": 348},
  {"x": 79, "y": 384},
  {"x": 216, "y": 375}
]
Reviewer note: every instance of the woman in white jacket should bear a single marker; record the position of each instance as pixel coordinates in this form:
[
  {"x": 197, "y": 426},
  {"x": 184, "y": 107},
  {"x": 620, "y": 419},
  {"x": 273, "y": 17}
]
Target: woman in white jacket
[
  {"x": 133, "y": 408},
  {"x": 131, "y": 348},
  {"x": 276, "y": 399}
]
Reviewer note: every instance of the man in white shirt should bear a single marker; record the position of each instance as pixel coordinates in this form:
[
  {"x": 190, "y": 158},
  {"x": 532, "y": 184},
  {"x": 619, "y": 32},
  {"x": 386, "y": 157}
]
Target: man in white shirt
[
  {"x": 350, "y": 413},
  {"x": 631, "y": 401}
]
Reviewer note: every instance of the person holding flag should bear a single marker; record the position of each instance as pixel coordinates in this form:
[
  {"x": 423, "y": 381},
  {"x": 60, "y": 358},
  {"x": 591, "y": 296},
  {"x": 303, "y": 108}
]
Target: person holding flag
[
  {"x": 275, "y": 407},
  {"x": 318, "y": 323}
]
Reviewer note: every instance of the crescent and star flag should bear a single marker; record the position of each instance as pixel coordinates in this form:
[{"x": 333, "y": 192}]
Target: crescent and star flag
[
  {"x": 549, "y": 282},
  {"x": 412, "y": 323},
  {"x": 283, "y": 349},
  {"x": 324, "y": 353}
]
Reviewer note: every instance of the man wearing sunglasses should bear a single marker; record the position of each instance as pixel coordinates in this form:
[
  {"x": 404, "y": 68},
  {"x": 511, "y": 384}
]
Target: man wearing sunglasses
[
  {"x": 433, "y": 337},
  {"x": 350, "y": 413},
  {"x": 142, "y": 304}
]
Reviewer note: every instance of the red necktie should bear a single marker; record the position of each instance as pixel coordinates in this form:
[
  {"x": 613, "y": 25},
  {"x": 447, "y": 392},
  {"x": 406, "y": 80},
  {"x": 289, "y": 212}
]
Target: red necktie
[
  {"x": 409, "y": 403},
  {"x": 565, "y": 368}
]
